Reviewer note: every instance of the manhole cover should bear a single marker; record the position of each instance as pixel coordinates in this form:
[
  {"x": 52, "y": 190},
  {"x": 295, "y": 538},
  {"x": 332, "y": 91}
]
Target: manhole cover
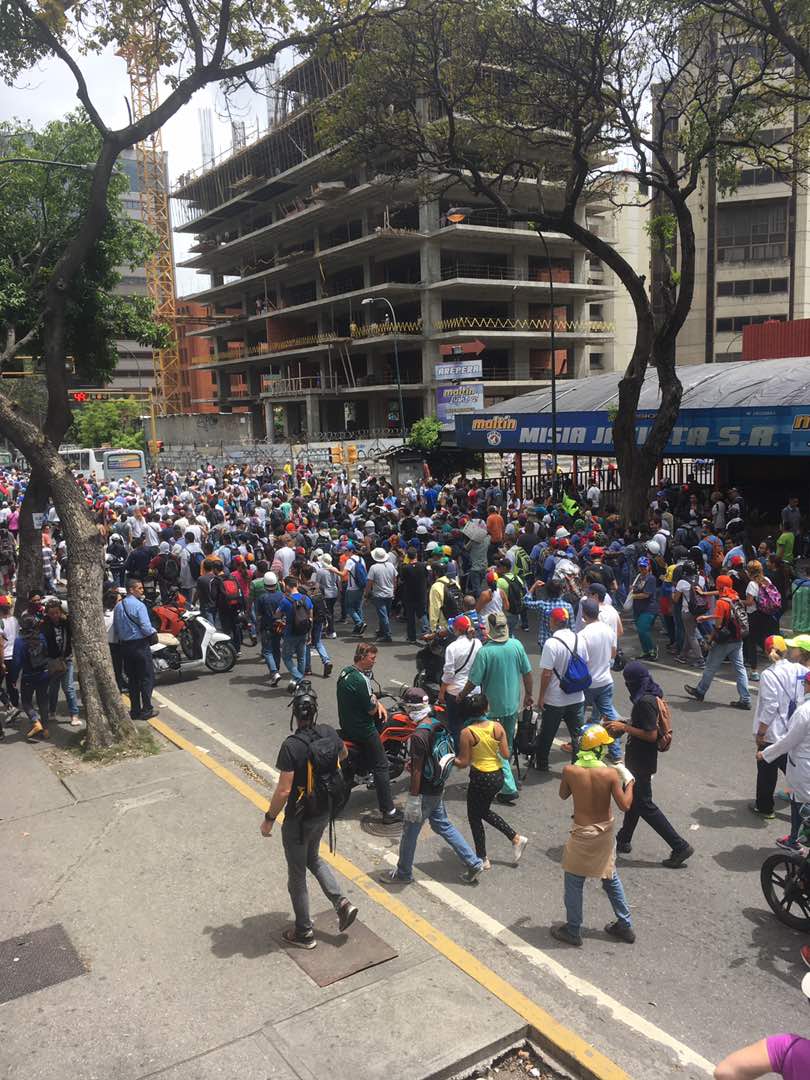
[
  {"x": 374, "y": 827},
  {"x": 32, "y": 961}
]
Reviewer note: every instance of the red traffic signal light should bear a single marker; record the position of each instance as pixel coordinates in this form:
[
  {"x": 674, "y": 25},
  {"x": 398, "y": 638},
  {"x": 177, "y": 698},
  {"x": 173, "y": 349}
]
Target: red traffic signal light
[{"x": 79, "y": 395}]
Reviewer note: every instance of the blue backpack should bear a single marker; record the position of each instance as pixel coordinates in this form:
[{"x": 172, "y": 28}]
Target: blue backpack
[
  {"x": 441, "y": 744},
  {"x": 358, "y": 573},
  {"x": 576, "y": 676}
]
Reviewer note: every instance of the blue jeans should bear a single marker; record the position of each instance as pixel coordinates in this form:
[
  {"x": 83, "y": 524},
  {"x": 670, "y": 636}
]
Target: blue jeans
[
  {"x": 574, "y": 884},
  {"x": 271, "y": 652},
  {"x": 354, "y": 605},
  {"x": 66, "y": 682},
  {"x": 644, "y": 624},
  {"x": 433, "y": 811},
  {"x": 294, "y": 654},
  {"x": 382, "y": 605},
  {"x": 600, "y": 701},
  {"x": 475, "y": 579},
  {"x": 317, "y": 644},
  {"x": 716, "y": 655}
]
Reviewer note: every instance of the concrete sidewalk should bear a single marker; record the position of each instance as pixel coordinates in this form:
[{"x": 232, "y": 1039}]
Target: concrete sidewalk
[{"x": 174, "y": 904}]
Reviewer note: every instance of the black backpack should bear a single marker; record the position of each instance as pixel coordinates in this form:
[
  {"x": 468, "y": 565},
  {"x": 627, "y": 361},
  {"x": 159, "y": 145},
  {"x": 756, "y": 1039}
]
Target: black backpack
[
  {"x": 452, "y": 601},
  {"x": 300, "y": 616},
  {"x": 170, "y": 571},
  {"x": 514, "y": 594},
  {"x": 324, "y": 790}
]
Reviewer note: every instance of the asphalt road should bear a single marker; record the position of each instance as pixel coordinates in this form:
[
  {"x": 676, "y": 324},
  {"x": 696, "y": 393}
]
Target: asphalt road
[{"x": 712, "y": 967}]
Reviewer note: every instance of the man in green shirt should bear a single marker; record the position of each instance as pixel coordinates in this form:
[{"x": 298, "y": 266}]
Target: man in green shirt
[
  {"x": 358, "y": 711},
  {"x": 785, "y": 544},
  {"x": 499, "y": 668}
]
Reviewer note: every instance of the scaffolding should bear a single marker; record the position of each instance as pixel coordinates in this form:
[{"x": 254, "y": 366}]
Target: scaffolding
[{"x": 153, "y": 179}]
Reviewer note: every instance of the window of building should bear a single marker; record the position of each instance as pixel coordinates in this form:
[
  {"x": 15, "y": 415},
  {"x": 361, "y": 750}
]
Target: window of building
[
  {"x": 762, "y": 175},
  {"x": 752, "y": 232},
  {"x": 736, "y": 325},
  {"x": 752, "y": 286}
]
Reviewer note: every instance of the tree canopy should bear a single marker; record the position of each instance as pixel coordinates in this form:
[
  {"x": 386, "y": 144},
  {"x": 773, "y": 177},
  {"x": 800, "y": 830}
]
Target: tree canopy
[
  {"x": 114, "y": 423},
  {"x": 40, "y": 209}
]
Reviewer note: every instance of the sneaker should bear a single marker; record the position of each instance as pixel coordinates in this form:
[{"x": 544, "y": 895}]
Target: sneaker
[
  {"x": 346, "y": 914},
  {"x": 275, "y": 679},
  {"x": 75, "y": 721},
  {"x": 487, "y": 865},
  {"x": 298, "y": 939},
  {"x": 768, "y": 815},
  {"x": 621, "y": 931},
  {"x": 623, "y": 847},
  {"x": 385, "y": 640},
  {"x": 562, "y": 933},
  {"x": 392, "y": 877},
  {"x": 393, "y": 818},
  {"x": 472, "y": 873},
  {"x": 518, "y": 849},
  {"x": 753, "y": 676},
  {"x": 787, "y": 844},
  {"x": 693, "y": 692},
  {"x": 506, "y": 800},
  {"x": 679, "y": 857},
  {"x": 356, "y": 629},
  {"x": 361, "y": 629},
  {"x": 148, "y": 714},
  {"x": 327, "y": 669},
  {"x": 36, "y": 729},
  {"x": 291, "y": 685},
  {"x": 744, "y": 705},
  {"x": 333, "y": 635}
]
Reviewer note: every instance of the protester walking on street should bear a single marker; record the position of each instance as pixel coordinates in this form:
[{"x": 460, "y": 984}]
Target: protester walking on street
[
  {"x": 641, "y": 758},
  {"x": 29, "y": 664},
  {"x": 483, "y": 749},
  {"x": 382, "y": 580},
  {"x": 295, "y": 609},
  {"x": 726, "y": 643},
  {"x": 304, "y": 825},
  {"x": 358, "y": 713},
  {"x": 426, "y": 796},
  {"x": 499, "y": 669},
  {"x": 558, "y": 700},
  {"x": 645, "y": 608},
  {"x": 600, "y": 643},
  {"x": 135, "y": 633},
  {"x": 590, "y": 850},
  {"x": 458, "y": 660},
  {"x": 57, "y": 631}
]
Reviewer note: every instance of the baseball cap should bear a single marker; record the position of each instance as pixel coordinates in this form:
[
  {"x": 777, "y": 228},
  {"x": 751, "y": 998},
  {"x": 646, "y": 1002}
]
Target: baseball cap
[
  {"x": 801, "y": 641},
  {"x": 462, "y": 624},
  {"x": 562, "y": 533},
  {"x": 597, "y": 551},
  {"x": 290, "y": 528},
  {"x": 775, "y": 641},
  {"x": 560, "y": 614},
  {"x": 736, "y": 560},
  {"x": 643, "y": 562},
  {"x": 598, "y": 590},
  {"x": 270, "y": 579}
]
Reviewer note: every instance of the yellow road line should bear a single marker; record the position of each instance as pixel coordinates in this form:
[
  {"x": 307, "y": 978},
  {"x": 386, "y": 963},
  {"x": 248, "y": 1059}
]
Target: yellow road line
[{"x": 566, "y": 1045}]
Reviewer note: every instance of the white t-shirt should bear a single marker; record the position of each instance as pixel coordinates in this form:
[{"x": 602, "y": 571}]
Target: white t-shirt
[
  {"x": 685, "y": 588},
  {"x": 9, "y": 628},
  {"x": 610, "y": 617},
  {"x": 383, "y": 578},
  {"x": 555, "y": 655},
  {"x": 600, "y": 643},
  {"x": 286, "y": 556},
  {"x": 458, "y": 659}
]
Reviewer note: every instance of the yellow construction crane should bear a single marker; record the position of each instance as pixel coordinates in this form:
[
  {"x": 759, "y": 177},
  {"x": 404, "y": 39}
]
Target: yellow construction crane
[{"x": 143, "y": 79}]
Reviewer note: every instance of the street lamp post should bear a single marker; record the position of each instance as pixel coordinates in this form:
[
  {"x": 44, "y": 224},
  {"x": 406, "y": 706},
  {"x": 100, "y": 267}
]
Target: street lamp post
[
  {"x": 456, "y": 214},
  {"x": 384, "y": 300}
]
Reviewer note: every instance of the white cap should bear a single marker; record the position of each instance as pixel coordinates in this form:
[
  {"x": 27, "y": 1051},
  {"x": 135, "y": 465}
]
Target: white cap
[
  {"x": 653, "y": 547},
  {"x": 270, "y": 578},
  {"x": 561, "y": 533}
]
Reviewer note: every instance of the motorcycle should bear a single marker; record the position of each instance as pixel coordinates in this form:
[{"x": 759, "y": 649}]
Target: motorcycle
[
  {"x": 430, "y": 663},
  {"x": 395, "y": 733},
  {"x": 199, "y": 642},
  {"x": 785, "y": 881}
]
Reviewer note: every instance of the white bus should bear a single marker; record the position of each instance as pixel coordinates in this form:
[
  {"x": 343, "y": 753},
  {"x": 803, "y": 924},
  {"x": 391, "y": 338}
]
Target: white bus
[{"x": 101, "y": 465}]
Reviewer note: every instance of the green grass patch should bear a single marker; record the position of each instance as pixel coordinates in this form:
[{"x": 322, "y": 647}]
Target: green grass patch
[{"x": 143, "y": 744}]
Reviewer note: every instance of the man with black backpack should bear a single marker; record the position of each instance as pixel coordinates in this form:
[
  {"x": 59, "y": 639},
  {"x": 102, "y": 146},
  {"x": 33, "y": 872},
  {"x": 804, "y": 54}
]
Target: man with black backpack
[
  {"x": 229, "y": 602},
  {"x": 445, "y": 600},
  {"x": 431, "y": 762},
  {"x": 513, "y": 590},
  {"x": 307, "y": 791},
  {"x": 296, "y": 611},
  {"x": 730, "y": 630}
]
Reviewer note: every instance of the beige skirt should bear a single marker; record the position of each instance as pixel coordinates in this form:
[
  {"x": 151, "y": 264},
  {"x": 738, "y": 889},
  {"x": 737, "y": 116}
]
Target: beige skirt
[{"x": 590, "y": 851}]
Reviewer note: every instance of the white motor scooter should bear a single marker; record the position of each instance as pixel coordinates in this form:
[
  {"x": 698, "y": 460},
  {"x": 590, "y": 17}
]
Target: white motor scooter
[{"x": 199, "y": 642}]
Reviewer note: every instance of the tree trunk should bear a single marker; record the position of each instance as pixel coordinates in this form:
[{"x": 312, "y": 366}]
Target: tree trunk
[
  {"x": 107, "y": 717},
  {"x": 29, "y": 564}
]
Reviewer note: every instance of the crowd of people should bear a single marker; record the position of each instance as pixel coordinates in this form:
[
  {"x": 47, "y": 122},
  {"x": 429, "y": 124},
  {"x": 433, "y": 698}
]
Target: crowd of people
[{"x": 289, "y": 559}]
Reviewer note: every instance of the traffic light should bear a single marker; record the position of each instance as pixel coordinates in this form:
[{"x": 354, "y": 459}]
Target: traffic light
[
  {"x": 336, "y": 455},
  {"x": 351, "y": 453},
  {"x": 156, "y": 446},
  {"x": 79, "y": 396}
]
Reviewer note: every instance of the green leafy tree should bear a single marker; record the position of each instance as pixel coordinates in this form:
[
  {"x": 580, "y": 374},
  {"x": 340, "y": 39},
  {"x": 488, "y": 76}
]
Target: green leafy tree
[
  {"x": 425, "y": 433},
  {"x": 188, "y": 45},
  {"x": 526, "y": 107},
  {"x": 108, "y": 423}
]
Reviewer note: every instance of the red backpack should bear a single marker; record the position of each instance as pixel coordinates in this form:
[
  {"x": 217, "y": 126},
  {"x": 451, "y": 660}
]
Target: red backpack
[{"x": 231, "y": 593}]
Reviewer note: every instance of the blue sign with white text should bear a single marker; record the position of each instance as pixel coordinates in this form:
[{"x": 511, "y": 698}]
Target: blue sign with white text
[{"x": 782, "y": 430}]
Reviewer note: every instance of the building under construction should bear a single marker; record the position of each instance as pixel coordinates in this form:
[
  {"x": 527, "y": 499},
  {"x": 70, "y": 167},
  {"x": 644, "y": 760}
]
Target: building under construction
[{"x": 294, "y": 243}]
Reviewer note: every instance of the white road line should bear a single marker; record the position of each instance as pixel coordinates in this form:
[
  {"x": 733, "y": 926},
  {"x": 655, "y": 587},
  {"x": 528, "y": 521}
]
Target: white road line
[{"x": 536, "y": 957}]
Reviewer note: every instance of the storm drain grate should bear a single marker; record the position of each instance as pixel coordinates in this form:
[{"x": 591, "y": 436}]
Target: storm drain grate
[{"x": 32, "y": 961}]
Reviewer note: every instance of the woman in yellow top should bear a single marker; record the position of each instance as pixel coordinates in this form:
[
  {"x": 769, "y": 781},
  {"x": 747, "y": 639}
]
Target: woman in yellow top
[{"x": 483, "y": 748}]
